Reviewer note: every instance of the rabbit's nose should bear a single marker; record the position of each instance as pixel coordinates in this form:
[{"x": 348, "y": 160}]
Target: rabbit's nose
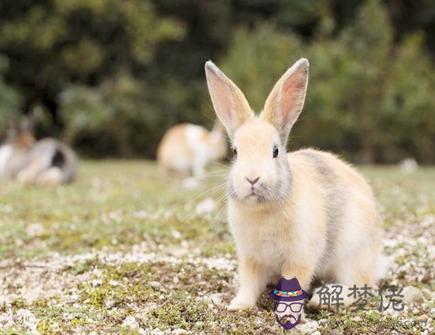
[{"x": 252, "y": 181}]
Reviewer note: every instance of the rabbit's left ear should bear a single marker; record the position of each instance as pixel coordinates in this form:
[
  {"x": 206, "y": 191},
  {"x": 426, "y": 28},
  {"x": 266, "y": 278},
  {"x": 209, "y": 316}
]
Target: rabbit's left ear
[
  {"x": 229, "y": 103},
  {"x": 285, "y": 102}
]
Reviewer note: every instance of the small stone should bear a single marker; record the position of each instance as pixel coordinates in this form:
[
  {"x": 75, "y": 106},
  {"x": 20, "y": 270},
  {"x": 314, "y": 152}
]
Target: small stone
[
  {"x": 113, "y": 283},
  {"x": 154, "y": 284},
  {"x": 191, "y": 183},
  {"x": 176, "y": 234},
  {"x": 216, "y": 298},
  {"x": 32, "y": 294},
  {"x": 423, "y": 317},
  {"x": 34, "y": 230},
  {"x": 130, "y": 322},
  {"x": 179, "y": 331},
  {"x": 427, "y": 293},
  {"x": 109, "y": 303},
  {"x": 357, "y": 318},
  {"x": 96, "y": 282},
  {"x": 259, "y": 323},
  {"x": 309, "y": 327},
  {"x": 207, "y": 206},
  {"x": 411, "y": 295},
  {"x": 408, "y": 165},
  {"x": 426, "y": 277},
  {"x": 392, "y": 313}
]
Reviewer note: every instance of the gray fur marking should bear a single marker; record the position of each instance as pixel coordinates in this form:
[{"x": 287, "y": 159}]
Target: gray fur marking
[{"x": 335, "y": 201}]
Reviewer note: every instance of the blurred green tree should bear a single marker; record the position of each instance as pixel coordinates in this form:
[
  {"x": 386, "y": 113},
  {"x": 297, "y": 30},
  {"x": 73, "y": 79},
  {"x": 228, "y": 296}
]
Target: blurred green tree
[
  {"x": 368, "y": 96},
  {"x": 113, "y": 75},
  {"x": 408, "y": 124},
  {"x": 51, "y": 43},
  {"x": 9, "y": 103},
  {"x": 114, "y": 117}
]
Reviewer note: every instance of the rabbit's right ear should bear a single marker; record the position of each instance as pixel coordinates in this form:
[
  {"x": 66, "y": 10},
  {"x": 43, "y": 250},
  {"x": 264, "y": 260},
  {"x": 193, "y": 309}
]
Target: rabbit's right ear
[
  {"x": 229, "y": 103},
  {"x": 285, "y": 102}
]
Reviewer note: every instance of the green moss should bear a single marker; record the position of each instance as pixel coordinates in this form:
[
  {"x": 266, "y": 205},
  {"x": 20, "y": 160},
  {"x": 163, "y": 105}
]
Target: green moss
[
  {"x": 48, "y": 327},
  {"x": 12, "y": 331},
  {"x": 180, "y": 311},
  {"x": 18, "y": 303}
]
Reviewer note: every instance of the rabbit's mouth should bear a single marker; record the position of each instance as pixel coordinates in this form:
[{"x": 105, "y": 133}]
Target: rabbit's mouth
[
  {"x": 255, "y": 196},
  {"x": 254, "y": 199}
]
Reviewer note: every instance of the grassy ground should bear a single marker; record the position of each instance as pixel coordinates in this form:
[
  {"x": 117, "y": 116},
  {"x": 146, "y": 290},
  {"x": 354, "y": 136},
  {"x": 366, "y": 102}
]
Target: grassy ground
[{"x": 125, "y": 250}]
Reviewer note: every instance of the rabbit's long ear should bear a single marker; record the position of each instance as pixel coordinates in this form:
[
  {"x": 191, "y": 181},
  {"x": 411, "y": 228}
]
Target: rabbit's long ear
[
  {"x": 285, "y": 102},
  {"x": 229, "y": 103}
]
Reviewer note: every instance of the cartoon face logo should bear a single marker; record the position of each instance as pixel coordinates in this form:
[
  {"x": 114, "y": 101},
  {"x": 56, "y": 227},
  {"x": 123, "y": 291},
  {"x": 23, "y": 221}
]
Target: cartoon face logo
[
  {"x": 288, "y": 299},
  {"x": 288, "y": 314}
]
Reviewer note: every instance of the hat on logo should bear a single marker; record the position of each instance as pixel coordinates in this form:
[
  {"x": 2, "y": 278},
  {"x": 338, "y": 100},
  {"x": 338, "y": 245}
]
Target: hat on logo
[{"x": 288, "y": 290}]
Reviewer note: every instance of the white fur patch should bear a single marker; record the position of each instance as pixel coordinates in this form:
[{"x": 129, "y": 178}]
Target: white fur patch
[
  {"x": 5, "y": 154},
  {"x": 206, "y": 206},
  {"x": 194, "y": 136},
  {"x": 180, "y": 163},
  {"x": 191, "y": 183}
]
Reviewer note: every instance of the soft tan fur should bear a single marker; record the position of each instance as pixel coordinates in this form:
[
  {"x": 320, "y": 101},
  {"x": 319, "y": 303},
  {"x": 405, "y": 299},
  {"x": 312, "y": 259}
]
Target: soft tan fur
[
  {"x": 187, "y": 148},
  {"x": 20, "y": 147},
  {"x": 309, "y": 214}
]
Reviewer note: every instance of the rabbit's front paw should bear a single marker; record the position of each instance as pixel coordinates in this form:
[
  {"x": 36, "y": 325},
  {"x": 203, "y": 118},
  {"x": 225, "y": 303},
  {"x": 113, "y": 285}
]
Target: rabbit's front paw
[{"x": 239, "y": 303}]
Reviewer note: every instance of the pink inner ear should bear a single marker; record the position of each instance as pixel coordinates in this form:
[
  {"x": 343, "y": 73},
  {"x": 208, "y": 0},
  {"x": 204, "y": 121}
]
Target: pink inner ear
[
  {"x": 292, "y": 96},
  {"x": 221, "y": 97}
]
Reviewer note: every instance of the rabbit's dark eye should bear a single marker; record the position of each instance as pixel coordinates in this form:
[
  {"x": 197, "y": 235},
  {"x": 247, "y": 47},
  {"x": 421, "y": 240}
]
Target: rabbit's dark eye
[
  {"x": 275, "y": 151},
  {"x": 235, "y": 152}
]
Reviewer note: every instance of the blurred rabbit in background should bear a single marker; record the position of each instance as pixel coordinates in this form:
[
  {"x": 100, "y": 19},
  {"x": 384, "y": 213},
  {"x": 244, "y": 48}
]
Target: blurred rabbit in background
[
  {"x": 43, "y": 162},
  {"x": 188, "y": 149}
]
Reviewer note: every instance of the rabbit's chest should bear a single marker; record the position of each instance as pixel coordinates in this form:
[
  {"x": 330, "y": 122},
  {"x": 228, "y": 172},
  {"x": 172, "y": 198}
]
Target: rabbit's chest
[{"x": 267, "y": 241}]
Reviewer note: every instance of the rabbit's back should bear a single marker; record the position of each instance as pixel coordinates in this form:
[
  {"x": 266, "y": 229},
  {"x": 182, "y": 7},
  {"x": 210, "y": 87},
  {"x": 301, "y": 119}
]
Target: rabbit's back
[
  {"x": 335, "y": 184},
  {"x": 330, "y": 172}
]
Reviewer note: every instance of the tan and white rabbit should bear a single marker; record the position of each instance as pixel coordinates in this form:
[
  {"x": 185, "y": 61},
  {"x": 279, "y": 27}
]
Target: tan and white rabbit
[
  {"x": 188, "y": 149},
  {"x": 304, "y": 214},
  {"x": 44, "y": 162}
]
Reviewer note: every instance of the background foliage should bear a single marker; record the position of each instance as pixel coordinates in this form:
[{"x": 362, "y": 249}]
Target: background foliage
[{"x": 111, "y": 76}]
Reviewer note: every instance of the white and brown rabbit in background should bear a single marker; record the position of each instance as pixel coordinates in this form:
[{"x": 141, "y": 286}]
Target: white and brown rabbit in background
[
  {"x": 188, "y": 149},
  {"x": 44, "y": 162},
  {"x": 304, "y": 214}
]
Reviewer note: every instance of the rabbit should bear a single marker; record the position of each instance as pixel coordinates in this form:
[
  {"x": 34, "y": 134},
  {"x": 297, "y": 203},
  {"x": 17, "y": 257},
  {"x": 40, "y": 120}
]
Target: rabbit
[
  {"x": 305, "y": 214},
  {"x": 44, "y": 162},
  {"x": 188, "y": 149}
]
